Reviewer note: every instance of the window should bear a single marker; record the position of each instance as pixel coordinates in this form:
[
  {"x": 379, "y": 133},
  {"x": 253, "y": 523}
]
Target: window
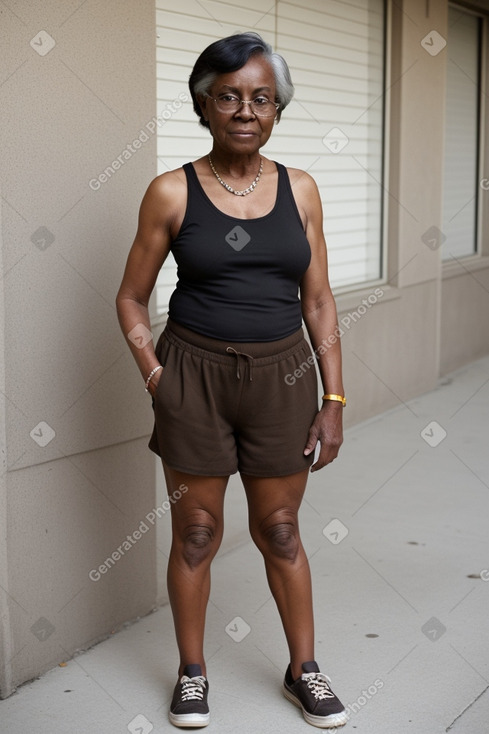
[
  {"x": 333, "y": 128},
  {"x": 461, "y": 135}
]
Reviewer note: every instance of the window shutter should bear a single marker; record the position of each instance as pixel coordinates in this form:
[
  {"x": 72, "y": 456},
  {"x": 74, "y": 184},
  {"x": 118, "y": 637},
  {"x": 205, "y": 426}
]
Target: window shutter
[
  {"x": 332, "y": 128},
  {"x": 461, "y": 135}
]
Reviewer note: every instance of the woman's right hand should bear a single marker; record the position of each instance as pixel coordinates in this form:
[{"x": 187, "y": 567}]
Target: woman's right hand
[
  {"x": 153, "y": 383},
  {"x": 161, "y": 213}
]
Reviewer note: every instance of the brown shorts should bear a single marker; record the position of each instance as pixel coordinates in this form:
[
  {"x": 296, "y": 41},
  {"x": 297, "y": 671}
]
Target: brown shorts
[{"x": 222, "y": 407}]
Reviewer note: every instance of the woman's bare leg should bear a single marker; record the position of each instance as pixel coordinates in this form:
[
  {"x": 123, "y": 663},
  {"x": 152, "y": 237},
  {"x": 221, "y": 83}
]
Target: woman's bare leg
[
  {"x": 197, "y": 527},
  {"x": 273, "y": 505}
]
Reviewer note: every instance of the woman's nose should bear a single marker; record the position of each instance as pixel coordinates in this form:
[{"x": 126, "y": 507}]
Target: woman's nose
[{"x": 245, "y": 111}]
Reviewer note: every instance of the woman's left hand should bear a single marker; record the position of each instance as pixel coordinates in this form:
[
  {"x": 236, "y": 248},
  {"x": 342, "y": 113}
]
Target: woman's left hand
[{"x": 328, "y": 429}]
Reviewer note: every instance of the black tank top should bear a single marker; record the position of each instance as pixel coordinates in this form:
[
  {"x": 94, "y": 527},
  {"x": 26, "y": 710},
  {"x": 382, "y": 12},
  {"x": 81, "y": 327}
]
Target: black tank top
[{"x": 238, "y": 279}]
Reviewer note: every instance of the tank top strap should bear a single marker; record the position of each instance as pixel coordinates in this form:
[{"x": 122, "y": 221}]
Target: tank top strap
[
  {"x": 285, "y": 190},
  {"x": 193, "y": 182}
]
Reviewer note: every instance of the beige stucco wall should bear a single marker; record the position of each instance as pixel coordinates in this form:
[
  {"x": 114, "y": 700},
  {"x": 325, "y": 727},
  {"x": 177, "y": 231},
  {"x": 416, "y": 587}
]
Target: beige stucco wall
[
  {"x": 464, "y": 316},
  {"x": 69, "y": 504}
]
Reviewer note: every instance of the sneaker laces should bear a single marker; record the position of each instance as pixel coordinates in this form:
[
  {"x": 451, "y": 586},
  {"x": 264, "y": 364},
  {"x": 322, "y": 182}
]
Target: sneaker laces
[
  {"x": 318, "y": 684},
  {"x": 192, "y": 688}
]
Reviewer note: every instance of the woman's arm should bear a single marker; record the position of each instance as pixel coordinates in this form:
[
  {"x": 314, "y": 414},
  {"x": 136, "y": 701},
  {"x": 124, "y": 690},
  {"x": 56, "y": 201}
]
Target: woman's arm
[
  {"x": 319, "y": 314},
  {"x": 160, "y": 217}
]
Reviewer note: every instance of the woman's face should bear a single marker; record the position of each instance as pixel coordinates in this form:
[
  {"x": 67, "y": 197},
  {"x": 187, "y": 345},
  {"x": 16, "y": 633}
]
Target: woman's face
[{"x": 241, "y": 132}]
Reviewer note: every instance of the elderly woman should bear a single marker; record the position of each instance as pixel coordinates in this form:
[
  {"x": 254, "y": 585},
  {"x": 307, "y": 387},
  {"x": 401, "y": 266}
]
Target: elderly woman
[{"x": 230, "y": 377}]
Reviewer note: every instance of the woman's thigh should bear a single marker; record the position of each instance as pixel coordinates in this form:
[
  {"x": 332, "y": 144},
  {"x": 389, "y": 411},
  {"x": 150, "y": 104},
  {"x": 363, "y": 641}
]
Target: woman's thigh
[
  {"x": 274, "y": 500},
  {"x": 200, "y": 500}
]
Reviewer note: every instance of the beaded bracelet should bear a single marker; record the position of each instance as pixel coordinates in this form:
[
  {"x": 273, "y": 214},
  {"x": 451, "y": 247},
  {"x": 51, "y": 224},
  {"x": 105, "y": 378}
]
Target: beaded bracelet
[{"x": 153, "y": 372}]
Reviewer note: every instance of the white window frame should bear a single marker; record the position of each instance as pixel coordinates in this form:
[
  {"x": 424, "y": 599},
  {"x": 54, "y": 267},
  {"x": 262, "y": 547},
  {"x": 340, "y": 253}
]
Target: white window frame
[{"x": 480, "y": 258}]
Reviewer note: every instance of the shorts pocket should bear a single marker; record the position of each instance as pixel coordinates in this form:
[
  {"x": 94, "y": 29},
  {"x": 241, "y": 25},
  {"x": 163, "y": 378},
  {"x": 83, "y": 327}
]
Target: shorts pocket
[
  {"x": 163, "y": 354},
  {"x": 162, "y": 378},
  {"x": 161, "y": 351},
  {"x": 158, "y": 388}
]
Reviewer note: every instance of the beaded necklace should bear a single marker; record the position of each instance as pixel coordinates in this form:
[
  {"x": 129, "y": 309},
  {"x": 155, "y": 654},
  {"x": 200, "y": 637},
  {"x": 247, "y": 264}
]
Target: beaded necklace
[{"x": 229, "y": 188}]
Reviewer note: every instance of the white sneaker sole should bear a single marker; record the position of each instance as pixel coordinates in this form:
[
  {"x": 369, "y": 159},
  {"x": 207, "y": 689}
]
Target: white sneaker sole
[
  {"x": 189, "y": 721},
  {"x": 322, "y": 722}
]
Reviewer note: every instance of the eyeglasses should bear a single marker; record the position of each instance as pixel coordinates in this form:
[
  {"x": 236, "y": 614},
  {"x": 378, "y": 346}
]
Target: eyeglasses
[{"x": 260, "y": 106}]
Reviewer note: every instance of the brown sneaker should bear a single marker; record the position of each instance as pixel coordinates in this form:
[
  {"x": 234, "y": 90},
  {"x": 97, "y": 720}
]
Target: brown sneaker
[
  {"x": 189, "y": 708},
  {"x": 312, "y": 693}
]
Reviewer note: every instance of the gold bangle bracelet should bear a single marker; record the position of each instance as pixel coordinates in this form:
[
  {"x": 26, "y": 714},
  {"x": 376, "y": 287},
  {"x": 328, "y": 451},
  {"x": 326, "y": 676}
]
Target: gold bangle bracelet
[{"x": 338, "y": 398}]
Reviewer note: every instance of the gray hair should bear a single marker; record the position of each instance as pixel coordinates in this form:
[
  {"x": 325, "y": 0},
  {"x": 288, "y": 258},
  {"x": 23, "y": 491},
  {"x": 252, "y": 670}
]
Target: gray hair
[{"x": 230, "y": 54}]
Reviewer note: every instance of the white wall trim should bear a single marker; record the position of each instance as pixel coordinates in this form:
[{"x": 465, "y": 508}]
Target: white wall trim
[
  {"x": 464, "y": 265},
  {"x": 6, "y": 642}
]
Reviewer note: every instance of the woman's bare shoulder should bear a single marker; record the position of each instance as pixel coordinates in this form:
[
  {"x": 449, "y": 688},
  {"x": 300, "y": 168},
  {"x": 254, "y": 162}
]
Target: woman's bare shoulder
[
  {"x": 165, "y": 199},
  {"x": 302, "y": 179},
  {"x": 169, "y": 184}
]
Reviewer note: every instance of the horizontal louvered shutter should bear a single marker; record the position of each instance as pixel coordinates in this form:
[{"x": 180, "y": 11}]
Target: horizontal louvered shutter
[
  {"x": 461, "y": 135},
  {"x": 336, "y": 56}
]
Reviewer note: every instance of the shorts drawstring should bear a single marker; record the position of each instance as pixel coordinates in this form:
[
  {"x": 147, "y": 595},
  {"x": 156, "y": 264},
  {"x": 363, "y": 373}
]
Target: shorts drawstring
[{"x": 232, "y": 350}]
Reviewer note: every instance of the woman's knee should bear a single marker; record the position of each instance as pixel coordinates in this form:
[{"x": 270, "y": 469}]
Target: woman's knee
[
  {"x": 198, "y": 538},
  {"x": 278, "y": 535}
]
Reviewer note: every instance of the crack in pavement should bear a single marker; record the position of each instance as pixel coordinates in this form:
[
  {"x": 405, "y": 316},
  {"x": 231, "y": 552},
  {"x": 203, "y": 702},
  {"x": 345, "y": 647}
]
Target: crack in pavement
[{"x": 467, "y": 708}]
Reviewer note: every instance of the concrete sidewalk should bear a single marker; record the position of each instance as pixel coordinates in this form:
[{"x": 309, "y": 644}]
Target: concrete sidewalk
[{"x": 397, "y": 534}]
